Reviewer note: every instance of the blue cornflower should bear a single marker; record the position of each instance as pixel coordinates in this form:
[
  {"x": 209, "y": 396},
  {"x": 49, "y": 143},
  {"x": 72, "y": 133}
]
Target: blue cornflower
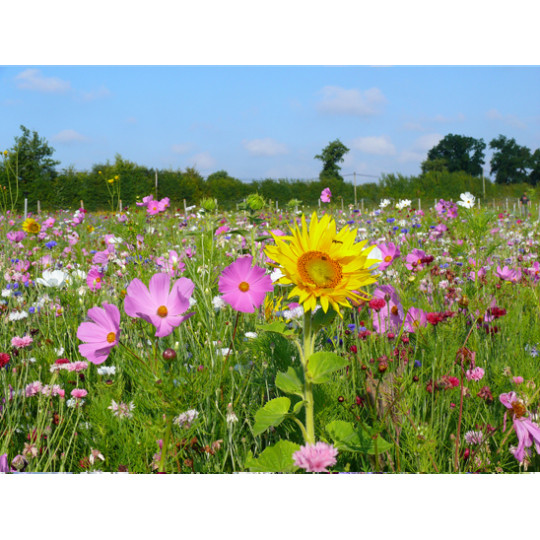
[
  {"x": 51, "y": 244},
  {"x": 390, "y": 220},
  {"x": 417, "y": 363}
]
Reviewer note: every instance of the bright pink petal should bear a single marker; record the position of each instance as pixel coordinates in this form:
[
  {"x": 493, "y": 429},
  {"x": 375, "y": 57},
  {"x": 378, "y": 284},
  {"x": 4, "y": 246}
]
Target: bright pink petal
[
  {"x": 138, "y": 300},
  {"x": 159, "y": 287},
  {"x": 113, "y": 314},
  {"x": 96, "y": 356},
  {"x": 184, "y": 286},
  {"x": 91, "y": 333}
]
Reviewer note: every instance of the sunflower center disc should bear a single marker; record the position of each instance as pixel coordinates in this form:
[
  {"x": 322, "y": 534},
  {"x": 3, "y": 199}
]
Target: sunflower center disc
[{"x": 319, "y": 269}]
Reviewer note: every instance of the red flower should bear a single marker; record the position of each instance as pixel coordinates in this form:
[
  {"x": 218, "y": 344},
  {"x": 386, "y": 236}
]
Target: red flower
[
  {"x": 376, "y": 304},
  {"x": 434, "y": 318},
  {"x": 4, "y": 359}
]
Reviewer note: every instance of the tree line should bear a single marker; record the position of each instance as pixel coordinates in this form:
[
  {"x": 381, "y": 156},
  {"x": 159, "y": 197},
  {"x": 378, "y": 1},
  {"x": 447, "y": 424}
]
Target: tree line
[{"x": 452, "y": 167}]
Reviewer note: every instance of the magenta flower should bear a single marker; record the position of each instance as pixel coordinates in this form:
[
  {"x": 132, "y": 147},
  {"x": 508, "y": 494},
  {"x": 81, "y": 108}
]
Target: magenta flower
[
  {"x": 389, "y": 252},
  {"x": 390, "y": 316},
  {"x": 413, "y": 261},
  {"x": 158, "y": 304},
  {"x": 78, "y": 393},
  {"x": 145, "y": 200},
  {"x": 534, "y": 271},
  {"x": 508, "y": 274},
  {"x": 527, "y": 432},
  {"x": 315, "y": 458},
  {"x": 476, "y": 374},
  {"x": 326, "y": 195},
  {"x": 101, "y": 335},
  {"x": 16, "y": 236},
  {"x": 93, "y": 279},
  {"x": 244, "y": 287},
  {"x": 173, "y": 265},
  {"x": 416, "y": 318}
]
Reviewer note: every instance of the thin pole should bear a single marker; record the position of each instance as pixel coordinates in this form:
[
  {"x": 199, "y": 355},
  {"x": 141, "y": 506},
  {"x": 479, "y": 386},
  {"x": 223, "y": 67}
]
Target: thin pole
[
  {"x": 156, "y": 182},
  {"x": 355, "y": 202},
  {"x": 25, "y": 208}
]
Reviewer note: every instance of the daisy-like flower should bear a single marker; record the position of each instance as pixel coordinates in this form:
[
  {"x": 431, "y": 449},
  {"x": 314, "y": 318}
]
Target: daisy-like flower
[
  {"x": 384, "y": 203},
  {"x": 93, "y": 279},
  {"x": 404, "y": 203},
  {"x": 186, "y": 418},
  {"x": 324, "y": 265},
  {"x": 467, "y": 200},
  {"x": 244, "y": 287},
  {"x": 31, "y": 226},
  {"x": 315, "y": 457},
  {"x": 122, "y": 410},
  {"x": 54, "y": 278},
  {"x": 101, "y": 335},
  {"x": 159, "y": 304}
]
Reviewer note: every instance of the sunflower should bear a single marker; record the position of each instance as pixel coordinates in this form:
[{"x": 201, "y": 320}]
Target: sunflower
[
  {"x": 323, "y": 264},
  {"x": 31, "y": 226}
]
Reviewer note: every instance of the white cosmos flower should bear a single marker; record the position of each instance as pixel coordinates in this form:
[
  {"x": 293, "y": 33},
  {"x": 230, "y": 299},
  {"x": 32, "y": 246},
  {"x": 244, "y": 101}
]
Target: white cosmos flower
[
  {"x": 18, "y": 315},
  {"x": 404, "y": 203},
  {"x": 467, "y": 200},
  {"x": 384, "y": 203},
  {"x": 276, "y": 274},
  {"x": 54, "y": 278}
]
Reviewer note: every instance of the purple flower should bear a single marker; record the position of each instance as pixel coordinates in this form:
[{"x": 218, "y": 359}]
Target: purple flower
[
  {"x": 390, "y": 316},
  {"x": 315, "y": 458},
  {"x": 389, "y": 252},
  {"x": 416, "y": 318}
]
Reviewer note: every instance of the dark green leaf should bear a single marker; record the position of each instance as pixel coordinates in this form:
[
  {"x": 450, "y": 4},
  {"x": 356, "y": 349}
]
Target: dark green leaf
[
  {"x": 322, "y": 364},
  {"x": 272, "y": 414},
  {"x": 277, "y": 458}
]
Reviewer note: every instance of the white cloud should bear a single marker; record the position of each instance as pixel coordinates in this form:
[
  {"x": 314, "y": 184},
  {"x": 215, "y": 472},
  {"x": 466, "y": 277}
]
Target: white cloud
[
  {"x": 101, "y": 92},
  {"x": 380, "y": 146},
  {"x": 68, "y": 136},
  {"x": 203, "y": 161},
  {"x": 510, "y": 119},
  {"x": 265, "y": 147},
  {"x": 427, "y": 142},
  {"x": 337, "y": 100},
  {"x": 33, "y": 79},
  {"x": 182, "y": 148}
]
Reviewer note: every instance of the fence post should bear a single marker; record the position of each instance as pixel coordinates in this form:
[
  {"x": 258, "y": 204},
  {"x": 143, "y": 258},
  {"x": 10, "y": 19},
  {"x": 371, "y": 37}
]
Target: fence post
[
  {"x": 120, "y": 204},
  {"x": 419, "y": 204},
  {"x": 185, "y": 208},
  {"x": 25, "y": 208},
  {"x": 82, "y": 204},
  {"x": 362, "y": 201},
  {"x": 38, "y": 207}
]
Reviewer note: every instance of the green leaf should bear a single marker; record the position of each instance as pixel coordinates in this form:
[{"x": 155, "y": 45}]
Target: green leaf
[
  {"x": 279, "y": 327},
  {"x": 322, "y": 319},
  {"x": 322, "y": 364},
  {"x": 272, "y": 414},
  {"x": 290, "y": 382},
  {"x": 277, "y": 458},
  {"x": 346, "y": 437},
  {"x": 298, "y": 406}
]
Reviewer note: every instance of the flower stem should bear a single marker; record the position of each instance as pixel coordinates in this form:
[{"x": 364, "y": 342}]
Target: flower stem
[{"x": 308, "y": 384}]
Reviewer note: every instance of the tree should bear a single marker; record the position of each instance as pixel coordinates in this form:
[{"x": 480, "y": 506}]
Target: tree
[
  {"x": 510, "y": 161},
  {"x": 534, "y": 177},
  {"x": 456, "y": 153},
  {"x": 31, "y": 156},
  {"x": 331, "y": 155}
]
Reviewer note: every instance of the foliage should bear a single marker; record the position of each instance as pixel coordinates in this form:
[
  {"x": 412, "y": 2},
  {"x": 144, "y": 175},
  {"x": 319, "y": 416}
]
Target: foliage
[
  {"x": 510, "y": 161},
  {"x": 331, "y": 155},
  {"x": 456, "y": 153}
]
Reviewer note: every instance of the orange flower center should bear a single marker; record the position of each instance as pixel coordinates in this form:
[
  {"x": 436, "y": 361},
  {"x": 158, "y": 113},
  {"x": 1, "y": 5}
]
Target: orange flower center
[
  {"x": 162, "y": 311},
  {"x": 519, "y": 409},
  {"x": 388, "y": 258},
  {"x": 394, "y": 310},
  {"x": 319, "y": 269},
  {"x": 111, "y": 337},
  {"x": 244, "y": 286}
]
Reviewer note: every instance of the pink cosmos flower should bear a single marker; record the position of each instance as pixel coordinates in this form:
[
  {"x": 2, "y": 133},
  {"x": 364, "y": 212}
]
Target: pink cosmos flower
[
  {"x": 414, "y": 259},
  {"x": 173, "y": 265},
  {"x": 159, "y": 304},
  {"x": 326, "y": 195},
  {"x": 78, "y": 393},
  {"x": 145, "y": 200},
  {"x": 315, "y": 458},
  {"x": 389, "y": 252},
  {"x": 508, "y": 274},
  {"x": 244, "y": 287},
  {"x": 101, "y": 335},
  {"x": 390, "y": 316},
  {"x": 416, "y": 318},
  {"x": 534, "y": 271},
  {"x": 21, "y": 342},
  {"x": 476, "y": 374},
  {"x": 16, "y": 236},
  {"x": 221, "y": 230},
  {"x": 103, "y": 257},
  {"x": 93, "y": 279},
  {"x": 527, "y": 432}
]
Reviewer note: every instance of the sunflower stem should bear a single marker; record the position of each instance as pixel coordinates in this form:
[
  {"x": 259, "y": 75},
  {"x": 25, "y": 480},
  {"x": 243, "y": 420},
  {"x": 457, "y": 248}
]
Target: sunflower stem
[{"x": 308, "y": 384}]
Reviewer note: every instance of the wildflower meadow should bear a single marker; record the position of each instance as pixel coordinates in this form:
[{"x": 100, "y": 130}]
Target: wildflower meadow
[{"x": 156, "y": 340}]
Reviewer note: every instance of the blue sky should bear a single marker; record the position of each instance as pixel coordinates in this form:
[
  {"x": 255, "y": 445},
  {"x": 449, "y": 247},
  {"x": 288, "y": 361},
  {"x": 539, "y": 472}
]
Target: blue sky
[{"x": 259, "y": 122}]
